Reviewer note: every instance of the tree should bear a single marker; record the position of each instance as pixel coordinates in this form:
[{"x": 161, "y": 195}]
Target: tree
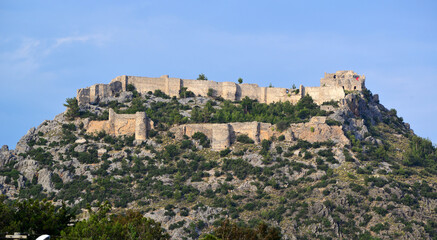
[
  {"x": 102, "y": 225},
  {"x": 211, "y": 92},
  {"x": 421, "y": 152},
  {"x": 72, "y": 108},
  {"x": 138, "y": 227},
  {"x": 34, "y": 217},
  {"x": 229, "y": 230},
  {"x": 246, "y": 103},
  {"x": 98, "y": 226},
  {"x": 6, "y": 214},
  {"x": 184, "y": 93},
  {"x": 202, "y": 77},
  {"x": 240, "y": 80}
]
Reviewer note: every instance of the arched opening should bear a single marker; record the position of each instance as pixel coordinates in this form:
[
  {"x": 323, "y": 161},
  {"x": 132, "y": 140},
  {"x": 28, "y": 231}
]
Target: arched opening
[
  {"x": 355, "y": 87},
  {"x": 342, "y": 87},
  {"x": 335, "y": 76},
  {"x": 286, "y": 90}
]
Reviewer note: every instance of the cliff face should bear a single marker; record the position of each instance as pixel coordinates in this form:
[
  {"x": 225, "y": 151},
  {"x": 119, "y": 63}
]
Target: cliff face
[{"x": 346, "y": 169}]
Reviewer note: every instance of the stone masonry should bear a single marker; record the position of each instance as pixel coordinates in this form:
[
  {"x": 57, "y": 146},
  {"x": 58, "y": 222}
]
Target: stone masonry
[
  {"x": 332, "y": 87},
  {"x": 223, "y": 135},
  {"x": 122, "y": 124}
]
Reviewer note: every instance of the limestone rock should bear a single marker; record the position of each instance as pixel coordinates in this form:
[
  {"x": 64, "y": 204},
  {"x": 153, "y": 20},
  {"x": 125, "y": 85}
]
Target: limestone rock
[
  {"x": 80, "y": 141},
  {"x": 22, "y": 145},
  {"x": 4, "y": 148},
  {"x": 318, "y": 131},
  {"x": 5, "y": 156},
  {"x": 27, "y": 167},
  {"x": 81, "y": 148},
  {"x": 45, "y": 179}
]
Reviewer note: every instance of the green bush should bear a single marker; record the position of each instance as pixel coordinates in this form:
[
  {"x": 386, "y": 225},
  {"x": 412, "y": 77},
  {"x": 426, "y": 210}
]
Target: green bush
[
  {"x": 225, "y": 152},
  {"x": 244, "y": 139},
  {"x": 161, "y": 94},
  {"x": 184, "y": 93},
  {"x": 282, "y": 125},
  {"x": 229, "y": 230},
  {"x": 240, "y": 167},
  {"x": 211, "y": 92},
  {"x": 203, "y": 139},
  {"x": 332, "y": 122}
]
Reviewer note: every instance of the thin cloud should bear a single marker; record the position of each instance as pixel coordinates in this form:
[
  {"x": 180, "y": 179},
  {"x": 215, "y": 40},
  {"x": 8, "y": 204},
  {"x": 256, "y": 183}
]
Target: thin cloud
[{"x": 28, "y": 57}]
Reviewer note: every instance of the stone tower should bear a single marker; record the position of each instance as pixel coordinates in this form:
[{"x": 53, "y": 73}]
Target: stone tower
[{"x": 348, "y": 80}]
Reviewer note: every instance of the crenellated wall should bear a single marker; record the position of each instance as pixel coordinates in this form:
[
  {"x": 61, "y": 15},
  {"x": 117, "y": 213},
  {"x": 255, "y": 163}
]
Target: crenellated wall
[{"x": 332, "y": 88}]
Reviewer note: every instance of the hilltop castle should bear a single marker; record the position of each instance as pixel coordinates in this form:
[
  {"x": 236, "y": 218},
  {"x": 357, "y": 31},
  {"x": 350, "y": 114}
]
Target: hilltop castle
[{"x": 333, "y": 87}]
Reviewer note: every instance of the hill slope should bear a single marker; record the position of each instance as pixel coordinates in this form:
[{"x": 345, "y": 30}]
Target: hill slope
[{"x": 379, "y": 181}]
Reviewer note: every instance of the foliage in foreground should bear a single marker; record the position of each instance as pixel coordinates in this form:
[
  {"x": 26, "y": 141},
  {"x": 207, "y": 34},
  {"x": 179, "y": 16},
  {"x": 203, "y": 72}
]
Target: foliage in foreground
[
  {"x": 102, "y": 225},
  {"x": 231, "y": 231},
  {"x": 33, "y": 217}
]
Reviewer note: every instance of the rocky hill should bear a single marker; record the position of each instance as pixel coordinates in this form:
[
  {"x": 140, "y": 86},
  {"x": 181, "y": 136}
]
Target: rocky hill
[{"x": 347, "y": 169}]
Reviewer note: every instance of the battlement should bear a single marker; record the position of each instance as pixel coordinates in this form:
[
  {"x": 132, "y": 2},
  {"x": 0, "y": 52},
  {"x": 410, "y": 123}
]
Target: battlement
[
  {"x": 332, "y": 87},
  {"x": 348, "y": 80}
]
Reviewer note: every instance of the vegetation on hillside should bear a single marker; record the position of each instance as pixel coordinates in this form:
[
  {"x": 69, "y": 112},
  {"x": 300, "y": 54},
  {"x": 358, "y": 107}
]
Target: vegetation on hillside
[{"x": 381, "y": 185}]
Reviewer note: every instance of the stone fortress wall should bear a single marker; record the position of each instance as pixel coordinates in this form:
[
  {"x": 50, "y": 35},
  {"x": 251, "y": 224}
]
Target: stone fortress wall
[
  {"x": 122, "y": 124},
  {"x": 332, "y": 87},
  {"x": 223, "y": 135}
]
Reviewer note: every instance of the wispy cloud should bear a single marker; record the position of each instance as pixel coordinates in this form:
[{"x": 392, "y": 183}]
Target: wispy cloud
[
  {"x": 28, "y": 56},
  {"x": 97, "y": 39}
]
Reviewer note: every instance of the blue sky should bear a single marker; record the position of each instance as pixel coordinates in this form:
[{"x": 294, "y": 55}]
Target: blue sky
[{"x": 48, "y": 49}]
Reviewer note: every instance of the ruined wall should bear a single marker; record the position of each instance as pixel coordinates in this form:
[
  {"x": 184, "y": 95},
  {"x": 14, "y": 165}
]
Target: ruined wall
[
  {"x": 324, "y": 94},
  {"x": 332, "y": 86},
  {"x": 282, "y": 95},
  {"x": 222, "y": 135},
  {"x": 122, "y": 124},
  {"x": 347, "y": 80},
  {"x": 251, "y": 129},
  {"x": 96, "y": 92},
  {"x": 218, "y": 134}
]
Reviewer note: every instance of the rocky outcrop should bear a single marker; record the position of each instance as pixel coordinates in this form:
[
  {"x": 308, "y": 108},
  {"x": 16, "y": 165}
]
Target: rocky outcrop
[
  {"x": 27, "y": 167},
  {"x": 5, "y": 156},
  {"x": 22, "y": 145},
  {"x": 45, "y": 179},
  {"x": 316, "y": 130}
]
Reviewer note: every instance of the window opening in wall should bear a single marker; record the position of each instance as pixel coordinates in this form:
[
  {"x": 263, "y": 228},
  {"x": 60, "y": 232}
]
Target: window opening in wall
[
  {"x": 355, "y": 87},
  {"x": 342, "y": 87},
  {"x": 335, "y": 76},
  {"x": 286, "y": 90}
]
